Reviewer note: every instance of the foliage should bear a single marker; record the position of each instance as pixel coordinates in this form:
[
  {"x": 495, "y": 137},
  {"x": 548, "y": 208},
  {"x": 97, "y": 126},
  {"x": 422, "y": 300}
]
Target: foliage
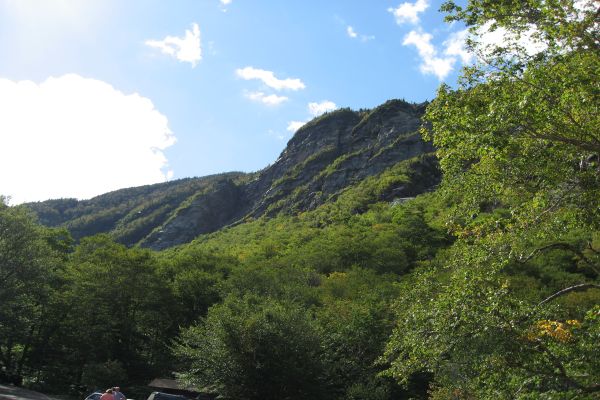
[
  {"x": 253, "y": 348},
  {"x": 355, "y": 321},
  {"x": 518, "y": 145},
  {"x": 128, "y": 214},
  {"x": 487, "y": 288},
  {"x": 103, "y": 375},
  {"x": 379, "y": 114},
  {"x": 345, "y": 113},
  {"x": 124, "y": 306},
  {"x": 30, "y": 262}
]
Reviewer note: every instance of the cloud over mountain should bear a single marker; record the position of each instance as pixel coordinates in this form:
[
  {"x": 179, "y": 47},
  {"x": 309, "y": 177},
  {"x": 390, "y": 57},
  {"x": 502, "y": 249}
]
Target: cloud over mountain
[
  {"x": 268, "y": 99},
  {"x": 77, "y": 137},
  {"x": 269, "y": 79},
  {"x": 315, "y": 109}
]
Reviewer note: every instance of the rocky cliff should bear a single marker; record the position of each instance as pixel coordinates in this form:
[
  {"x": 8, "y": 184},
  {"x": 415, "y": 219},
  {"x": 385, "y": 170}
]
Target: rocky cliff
[{"x": 325, "y": 156}]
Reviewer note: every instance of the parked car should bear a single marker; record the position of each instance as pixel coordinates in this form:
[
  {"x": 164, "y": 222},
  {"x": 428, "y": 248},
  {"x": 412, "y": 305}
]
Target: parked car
[
  {"x": 165, "y": 396},
  {"x": 94, "y": 396}
]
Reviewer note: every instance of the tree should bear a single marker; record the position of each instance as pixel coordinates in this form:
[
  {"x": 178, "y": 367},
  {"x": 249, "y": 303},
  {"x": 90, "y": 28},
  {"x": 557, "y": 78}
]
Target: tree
[
  {"x": 117, "y": 310},
  {"x": 356, "y": 319},
  {"x": 30, "y": 262},
  {"x": 518, "y": 142},
  {"x": 253, "y": 348}
]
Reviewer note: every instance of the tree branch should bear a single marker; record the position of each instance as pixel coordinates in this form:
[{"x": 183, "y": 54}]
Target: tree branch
[
  {"x": 576, "y": 288},
  {"x": 564, "y": 246},
  {"x": 560, "y": 245}
]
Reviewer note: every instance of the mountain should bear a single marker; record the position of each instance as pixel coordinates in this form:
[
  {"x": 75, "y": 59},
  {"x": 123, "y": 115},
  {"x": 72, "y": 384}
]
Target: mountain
[{"x": 324, "y": 158}]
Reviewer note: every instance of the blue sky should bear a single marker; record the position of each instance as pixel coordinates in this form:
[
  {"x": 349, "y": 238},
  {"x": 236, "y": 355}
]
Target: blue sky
[{"x": 96, "y": 95}]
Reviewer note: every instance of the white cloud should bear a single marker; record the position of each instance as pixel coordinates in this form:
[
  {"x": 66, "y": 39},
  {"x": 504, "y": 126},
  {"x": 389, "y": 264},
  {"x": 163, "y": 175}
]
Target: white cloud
[
  {"x": 430, "y": 62},
  {"x": 224, "y": 4},
  {"x": 317, "y": 109},
  {"x": 185, "y": 49},
  {"x": 351, "y": 33},
  {"x": 270, "y": 100},
  {"x": 269, "y": 79},
  {"x": 455, "y": 49},
  {"x": 530, "y": 41},
  {"x": 293, "y": 126},
  {"x": 441, "y": 63},
  {"x": 488, "y": 40},
  {"x": 455, "y": 46},
  {"x": 409, "y": 12},
  {"x": 77, "y": 137},
  {"x": 354, "y": 35}
]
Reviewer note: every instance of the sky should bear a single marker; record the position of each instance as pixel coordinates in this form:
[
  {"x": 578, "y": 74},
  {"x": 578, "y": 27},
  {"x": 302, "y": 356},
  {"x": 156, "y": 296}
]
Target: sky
[{"x": 97, "y": 95}]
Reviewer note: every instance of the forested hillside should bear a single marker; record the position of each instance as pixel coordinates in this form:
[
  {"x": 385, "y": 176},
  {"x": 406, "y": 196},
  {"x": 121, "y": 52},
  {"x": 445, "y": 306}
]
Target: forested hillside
[
  {"x": 485, "y": 286},
  {"x": 323, "y": 158},
  {"x": 128, "y": 214}
]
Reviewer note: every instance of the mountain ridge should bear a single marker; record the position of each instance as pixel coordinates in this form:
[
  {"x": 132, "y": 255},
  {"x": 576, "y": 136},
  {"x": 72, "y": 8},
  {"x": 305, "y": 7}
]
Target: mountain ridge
[{"x": 322, "y": 159}]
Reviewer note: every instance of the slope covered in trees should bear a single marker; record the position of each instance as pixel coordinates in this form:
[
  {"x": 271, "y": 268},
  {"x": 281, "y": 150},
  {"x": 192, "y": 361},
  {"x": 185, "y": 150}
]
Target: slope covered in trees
[
  {"x": 129, "y": 215},
  {"x": 115, "y": 313},
  {"x": 486, "y": 288}
]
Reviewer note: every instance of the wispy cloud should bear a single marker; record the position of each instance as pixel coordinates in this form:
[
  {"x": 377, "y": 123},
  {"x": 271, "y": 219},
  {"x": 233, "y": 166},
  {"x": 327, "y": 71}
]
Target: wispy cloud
[
  {"x": 270, "y": 100},
  {"x": 354, "y": 35},
  {"x": 89, "y": 137},
  {"x": 351, "y": 33},
  {"x": 184, "y": 49},
  {"x": 489, "y": 40},
  {"x": 269, "y": 79},
  {"x": 293, "y": 126},
  {"x": 456, "y": 46},
  {"x": 431, "y": 63},
  {"x": 409, "y": 12},
  {"x": 224, "y": 4},
  {"x": 314, "y": 109}
]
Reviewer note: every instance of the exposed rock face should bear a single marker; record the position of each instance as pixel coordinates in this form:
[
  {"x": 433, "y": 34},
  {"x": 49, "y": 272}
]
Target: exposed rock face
[
  {"x": 339, "y": 149},
  {"x": 323, "y": 158},
  {"x": 206, "y": 213}
]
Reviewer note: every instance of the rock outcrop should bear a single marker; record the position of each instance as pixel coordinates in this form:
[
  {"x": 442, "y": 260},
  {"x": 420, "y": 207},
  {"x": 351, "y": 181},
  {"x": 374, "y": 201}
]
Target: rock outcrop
[{"x": 324, "y": 157}]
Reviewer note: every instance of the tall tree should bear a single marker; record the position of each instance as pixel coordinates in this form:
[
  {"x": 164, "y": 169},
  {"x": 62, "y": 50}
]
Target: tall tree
[
  {"x": 118, "y": 310},
  {"x": 30, "y": 260},
  {"x": 518, "y": 142},
  {"x": 255, "y": 348}
]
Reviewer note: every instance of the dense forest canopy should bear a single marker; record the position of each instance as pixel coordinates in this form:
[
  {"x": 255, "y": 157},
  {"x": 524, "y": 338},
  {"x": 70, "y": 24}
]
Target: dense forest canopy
[
  {"x": 518, "y": 146},
  {"x": 486, "y": 288}
]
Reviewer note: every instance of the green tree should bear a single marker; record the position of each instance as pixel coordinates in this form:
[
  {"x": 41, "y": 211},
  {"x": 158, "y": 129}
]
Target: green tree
[
  {"x": 118, "y": 309},
  {"x": 253, "y": 348},
  {"x": 194, "y": 277},
  {"x": 356, "y": 320},
  {"x": 30, "y": 262},
  {"x": 518, "y": 142}
]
